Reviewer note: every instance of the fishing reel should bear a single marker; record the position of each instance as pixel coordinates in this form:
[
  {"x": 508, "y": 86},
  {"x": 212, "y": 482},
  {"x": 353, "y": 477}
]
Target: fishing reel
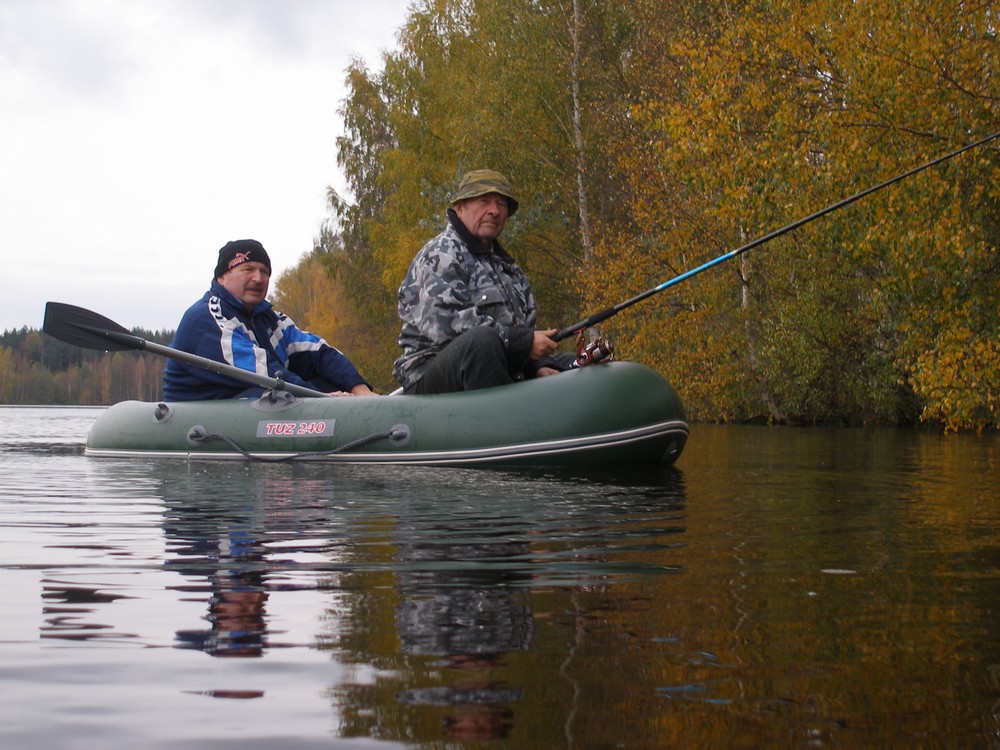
[{"x": 594, "y": 353}]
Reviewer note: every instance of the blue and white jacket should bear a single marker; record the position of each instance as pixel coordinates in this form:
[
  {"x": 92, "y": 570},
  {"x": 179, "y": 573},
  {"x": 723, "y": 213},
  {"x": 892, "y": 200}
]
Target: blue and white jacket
[{"x": 263, "y": 341}]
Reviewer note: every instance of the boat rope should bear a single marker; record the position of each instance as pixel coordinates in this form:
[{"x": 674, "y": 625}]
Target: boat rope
[{"x": 199, "y": 434}]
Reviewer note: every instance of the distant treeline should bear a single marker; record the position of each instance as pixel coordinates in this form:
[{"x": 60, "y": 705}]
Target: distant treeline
[{"x": 38, "y": 369}]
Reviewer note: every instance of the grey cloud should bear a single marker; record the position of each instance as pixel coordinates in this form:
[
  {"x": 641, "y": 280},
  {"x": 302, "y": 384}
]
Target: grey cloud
[{"x": 61, "y": 44}]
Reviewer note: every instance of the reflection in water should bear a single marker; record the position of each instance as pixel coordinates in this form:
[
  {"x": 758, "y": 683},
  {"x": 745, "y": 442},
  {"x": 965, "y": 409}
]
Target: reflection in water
[
  {"x": 215, "y": 534},
  {"x": 211, "y": 542},
  {"x": 459, "y": 601},
  {"x": 65, "y": 606},
  {"x": 82, "y": 548},
  {"x": 433, "y": 579},
  {"x": 235, "y": 579},
  {"x": 782, "y": 588},
  {"x": 464, "y": 552},
  {"x": 468, "y": 559}
]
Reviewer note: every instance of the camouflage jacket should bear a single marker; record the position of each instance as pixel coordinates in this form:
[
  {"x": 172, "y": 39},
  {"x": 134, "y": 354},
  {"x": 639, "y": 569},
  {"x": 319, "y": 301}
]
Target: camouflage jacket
[{"x": 453, "y": 286}]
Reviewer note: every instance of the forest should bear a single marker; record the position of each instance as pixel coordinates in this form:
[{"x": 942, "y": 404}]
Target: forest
[
  {"x": 645, "y": 138},
  {"x": 38, "y": 369}
]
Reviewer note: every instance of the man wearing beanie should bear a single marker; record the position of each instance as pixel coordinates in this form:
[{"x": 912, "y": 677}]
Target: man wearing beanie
[
  {"x": 467, "y": 309},
  {"x": 233, "y": 323}
]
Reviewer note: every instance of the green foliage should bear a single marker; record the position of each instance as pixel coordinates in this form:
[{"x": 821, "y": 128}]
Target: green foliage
[
  {"x": 461, "y": 93},
  {"x": 645, "y": 138},
  {"x": 780, "y": 109}
]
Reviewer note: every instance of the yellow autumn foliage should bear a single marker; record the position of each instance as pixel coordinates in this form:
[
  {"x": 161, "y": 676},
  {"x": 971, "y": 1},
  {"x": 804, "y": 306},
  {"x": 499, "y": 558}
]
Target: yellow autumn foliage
[{"x": 645, "y": 138}]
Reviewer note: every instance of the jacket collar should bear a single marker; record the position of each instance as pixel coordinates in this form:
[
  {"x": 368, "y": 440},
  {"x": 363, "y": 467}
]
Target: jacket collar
[{"x": 231, "y": 300}]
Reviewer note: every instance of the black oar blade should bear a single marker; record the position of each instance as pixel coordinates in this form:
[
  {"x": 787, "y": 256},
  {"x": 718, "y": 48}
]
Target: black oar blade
[
  {"x": 81, "y": 327},
  {"x": 84, "y": 328}
]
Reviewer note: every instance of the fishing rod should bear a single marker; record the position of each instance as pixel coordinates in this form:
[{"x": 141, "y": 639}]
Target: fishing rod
[{"x": 614, "y": 310}]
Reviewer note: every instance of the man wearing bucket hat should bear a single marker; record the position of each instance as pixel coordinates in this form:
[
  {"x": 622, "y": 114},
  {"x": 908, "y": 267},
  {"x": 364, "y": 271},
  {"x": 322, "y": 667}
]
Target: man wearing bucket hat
[
  {"x": 467, "y": 309},
  {"x": 233, "y": 323}
]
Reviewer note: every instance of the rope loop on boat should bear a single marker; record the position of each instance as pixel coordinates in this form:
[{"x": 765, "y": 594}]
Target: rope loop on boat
[{"x": 398, "y": 435}]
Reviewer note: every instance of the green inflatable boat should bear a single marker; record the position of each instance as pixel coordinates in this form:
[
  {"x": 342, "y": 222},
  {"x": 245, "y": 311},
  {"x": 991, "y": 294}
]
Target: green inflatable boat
[
  {"x": 611, "y": 414},
  {"x": 607, "y": 415}
]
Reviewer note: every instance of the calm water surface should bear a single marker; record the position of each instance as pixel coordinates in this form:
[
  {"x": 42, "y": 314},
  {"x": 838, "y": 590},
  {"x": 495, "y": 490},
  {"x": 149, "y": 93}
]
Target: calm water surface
[{"x": 800, "y": 588}]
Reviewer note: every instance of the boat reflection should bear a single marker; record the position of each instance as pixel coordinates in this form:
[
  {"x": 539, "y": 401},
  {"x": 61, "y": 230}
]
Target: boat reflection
[{"x": 431, "y": 585}]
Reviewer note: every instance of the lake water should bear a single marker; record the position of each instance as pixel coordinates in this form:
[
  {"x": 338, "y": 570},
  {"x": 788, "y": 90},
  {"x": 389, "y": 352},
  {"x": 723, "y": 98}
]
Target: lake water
[{"x": 799, "y": 588}]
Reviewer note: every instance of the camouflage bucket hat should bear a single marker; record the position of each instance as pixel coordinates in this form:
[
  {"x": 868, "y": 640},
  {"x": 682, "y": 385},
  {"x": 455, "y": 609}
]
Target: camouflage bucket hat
[{"x": 481, "y": 182}]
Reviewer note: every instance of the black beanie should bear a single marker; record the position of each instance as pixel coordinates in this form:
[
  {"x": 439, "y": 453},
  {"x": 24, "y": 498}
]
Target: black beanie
[{"x": 236, "y": 252}]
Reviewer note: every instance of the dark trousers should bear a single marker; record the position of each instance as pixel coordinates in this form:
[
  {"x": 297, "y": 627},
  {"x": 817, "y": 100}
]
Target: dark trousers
[{"x": 476, "y": 359}]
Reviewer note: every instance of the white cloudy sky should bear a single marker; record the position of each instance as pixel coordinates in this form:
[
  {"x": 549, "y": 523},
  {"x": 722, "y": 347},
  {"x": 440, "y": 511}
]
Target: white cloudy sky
[{"x": 138, "y": 136}]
